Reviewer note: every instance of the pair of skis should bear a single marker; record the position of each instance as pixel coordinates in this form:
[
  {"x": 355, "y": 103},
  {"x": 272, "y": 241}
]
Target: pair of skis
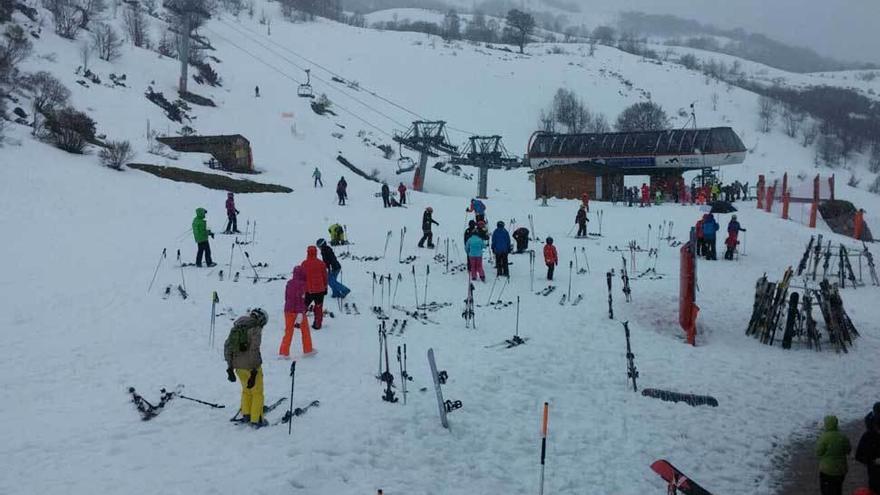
[{"x": 439, "y": 378}]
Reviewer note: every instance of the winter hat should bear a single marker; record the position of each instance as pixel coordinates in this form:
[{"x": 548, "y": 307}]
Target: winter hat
[
  {"x": 500, "y": 224},
  {"x": 549, "y": 240},
  {"x": 320, "y": 242},
  {"x": 229, "y": 194},
  {"x": 429, "y": 209}
]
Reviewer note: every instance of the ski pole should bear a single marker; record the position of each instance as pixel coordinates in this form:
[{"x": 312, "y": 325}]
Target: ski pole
[
  {"x": 586, "y": 261},
  {"x": 387, "y": 238},
  {"x": 447, "y": 256},
  {"x": 427, "y": 276},
  {"x": 290, "y": 406},
  {"x": 215, "y": 406},
  {"x": 231, "y": 253},
  {"x": 576, "y": 261},
  {"x": 373, "y": 292},
  {"x": 256, "y": 275},
  {"x": 570, "y": 230},
  {"x": 161, "y": 257},
  {"x": 532, "y": 270},
  {"x": 254, "y": 233},
  {"x": 415, "y": 287},
  {"x": 544, "y": 444},
  {"x": 492, "y": 291},
  {"x": 516, "y": 330},
  {"x": 396, "y": 286},
  {"x": 182, "y": 278},
  {"x": 570, "y": 267},
  {"x": 247, "y": 229},
  {"x": 214, "y": 300},
  {"x": 402, "y": 378}
]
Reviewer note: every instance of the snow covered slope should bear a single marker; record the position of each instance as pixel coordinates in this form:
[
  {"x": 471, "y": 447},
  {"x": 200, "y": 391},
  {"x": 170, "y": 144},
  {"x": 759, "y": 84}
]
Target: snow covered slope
[{"x": 82, "y": 244}]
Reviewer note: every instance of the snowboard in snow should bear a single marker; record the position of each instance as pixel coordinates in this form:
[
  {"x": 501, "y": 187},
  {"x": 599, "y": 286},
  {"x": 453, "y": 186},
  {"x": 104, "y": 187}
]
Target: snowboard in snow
[
  {"x": 678, "y": 482},
  {"x": 441, "y": 405}
]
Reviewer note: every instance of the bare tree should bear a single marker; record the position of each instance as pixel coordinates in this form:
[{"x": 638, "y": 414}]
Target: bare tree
[
  {"x": 137, "y": 26},
  {"x": 828, "y": 150},
  {"x": 522, "y": 25},
  {"x": 116, "y": 154},
  {"x": 547, "y": 121},
  {"x": 106, "y": 42},
  {"x": 14, "y": 48},
  {"x": 643, "y": 116},
  {"x": 874, "y": 159},
  {"x": 85, "y": 54},
  {"x": 715, "y": 99},
  {"x": 875, "y": 186},
  {"x": 47, "y": 94},
  {"x": 766, "y": 113},
  {"x": 599, "y": 124},
  {"x": 451, "y": 26},
  {"x": 604, "y": 35},
  {"x": 792, "y": 119},
  {"x": 65, "y": 15},
  {"x": 569, "y": 111},
  {"x": 87, "y": 10},
  {"x": 808, "y": 134}
]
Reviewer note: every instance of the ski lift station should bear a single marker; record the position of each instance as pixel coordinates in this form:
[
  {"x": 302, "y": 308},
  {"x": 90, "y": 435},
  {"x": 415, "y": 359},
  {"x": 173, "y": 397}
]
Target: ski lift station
[{"x": 569, "y": 165}]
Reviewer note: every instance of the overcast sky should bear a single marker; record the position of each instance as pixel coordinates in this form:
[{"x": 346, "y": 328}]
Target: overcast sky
[{"x": 844, "y": 29}]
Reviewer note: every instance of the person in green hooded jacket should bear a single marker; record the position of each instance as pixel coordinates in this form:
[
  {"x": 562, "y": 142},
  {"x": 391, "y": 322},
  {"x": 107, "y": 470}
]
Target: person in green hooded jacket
[
  {"x": 201, "y": 233},
  {"x": 832, "y": 449}
]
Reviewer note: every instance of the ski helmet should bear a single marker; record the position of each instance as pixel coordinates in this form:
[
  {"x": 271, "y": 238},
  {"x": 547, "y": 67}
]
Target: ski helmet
[
  {"x": 429, "y": 209},
  {"x": 260, "y": 316},
  {"x": 500, "y": 224},
  {"x": 549, "y": 240},
  {"x": 320, "y": 242}
]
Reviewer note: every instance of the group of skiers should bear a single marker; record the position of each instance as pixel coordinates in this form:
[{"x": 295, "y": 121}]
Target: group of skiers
[
  {"x": 833, "y": 448},
  {"x": 201, "y": 232},
  {"x": 706, "y": 231},
  {"x": 306, "y": 288},
  {"x": 388, "y": 200},
  {"x": 677, "y": 192}
]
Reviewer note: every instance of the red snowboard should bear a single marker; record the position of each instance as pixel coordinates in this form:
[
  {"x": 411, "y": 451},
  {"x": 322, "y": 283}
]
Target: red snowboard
[{"x": 677, "y": 481}]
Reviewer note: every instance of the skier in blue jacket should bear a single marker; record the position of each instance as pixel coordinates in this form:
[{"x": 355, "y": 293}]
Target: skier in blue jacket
[
  {"x": 501, "y": 246},
  {"x": 710, "y": 228}
]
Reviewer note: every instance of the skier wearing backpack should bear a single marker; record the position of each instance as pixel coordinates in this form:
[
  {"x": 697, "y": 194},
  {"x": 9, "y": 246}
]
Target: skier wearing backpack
[
  {"x": 316, "y": 284},
  {"x": 479, "y": 210},
  {"x": 581, "y": 220},
  {"x": 243, "y": 359},
  {"x": 474, "y": 247},
  {"x": 427, "y": 222},
  {"x": 295, "y": 313},
  {"x": 317, "y": 176},
  {"x": 551, "y": 257},
  {"x": 231, "y": 215},
  {"x": 200, "y": 234},
  {"x": 501, "y": 247},
  {"x": 333, "y": 269},
  {"x": 521, "y": 236},
  {"x": 710, "y": 228}
]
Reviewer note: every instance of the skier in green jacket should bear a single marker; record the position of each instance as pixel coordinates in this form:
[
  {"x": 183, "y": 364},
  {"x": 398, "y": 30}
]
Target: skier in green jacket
[
  {"x": 201, "y": 233},
  {"x": 832, "y": 449}
]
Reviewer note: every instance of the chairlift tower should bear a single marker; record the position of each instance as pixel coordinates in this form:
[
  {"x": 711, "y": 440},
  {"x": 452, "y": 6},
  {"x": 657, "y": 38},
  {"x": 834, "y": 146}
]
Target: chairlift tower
[
  {"x": 485, "y": 152},
  {"x": 185, "y": 10},
  {"x": 427, "y": 138}
]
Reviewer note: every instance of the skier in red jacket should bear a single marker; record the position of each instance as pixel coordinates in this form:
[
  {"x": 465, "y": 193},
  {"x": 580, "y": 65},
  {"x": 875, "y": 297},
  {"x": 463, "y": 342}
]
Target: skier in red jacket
[
  {"x": 316, "y": 283},
  {"x": 551, "y": 257}
]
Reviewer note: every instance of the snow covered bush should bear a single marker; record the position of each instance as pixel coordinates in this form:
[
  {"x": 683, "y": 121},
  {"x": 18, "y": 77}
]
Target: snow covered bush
[
  {"x": 47, "y": 94},
  {"x": 116, "y": 154},
  {"x": 69, "y": 129}
]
